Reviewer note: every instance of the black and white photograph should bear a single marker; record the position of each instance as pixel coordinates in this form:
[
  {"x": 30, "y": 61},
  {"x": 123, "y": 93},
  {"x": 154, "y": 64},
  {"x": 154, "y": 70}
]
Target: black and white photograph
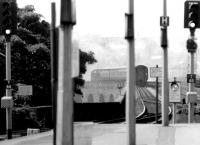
[{"x": 99, "y": 72}]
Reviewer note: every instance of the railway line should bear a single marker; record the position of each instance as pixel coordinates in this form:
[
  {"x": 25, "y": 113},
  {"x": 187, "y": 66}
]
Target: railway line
[
  {"x": 149, "y": 102},
  {"x": 145, "y": 107},
  {"x": 114, "y": 112}
]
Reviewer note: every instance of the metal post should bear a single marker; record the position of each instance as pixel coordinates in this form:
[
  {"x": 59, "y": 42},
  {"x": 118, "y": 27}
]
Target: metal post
[
  {"x": 156, "y": 117},
  {"x": 191, "y": 89},
  {"x": 54, "y": 68},
  {"x": 131, "y": 83},
  {"x": 164, "y": 45},
  {"x": 8, "y": 90},
  {"x": 174, "y": 113},
  {"x": 64, "y": 129},
  {"x": 165, "y": 90},
  {"x": 64, "y": 132},
  {"x": 191, "y": 85},
  {"x": 8, "y": 62}
]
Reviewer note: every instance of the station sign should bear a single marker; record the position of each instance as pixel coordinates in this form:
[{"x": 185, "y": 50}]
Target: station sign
[
  {"x": 164, "y": 21},
  {"x": 25, "y": 90},
  {"x": 175, "y": 92},
  {"x": 155, "y": 72}
]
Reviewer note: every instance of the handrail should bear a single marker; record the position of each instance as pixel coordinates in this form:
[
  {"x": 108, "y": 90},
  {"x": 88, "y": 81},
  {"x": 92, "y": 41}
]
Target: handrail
[{"x": 2, "y": 54}]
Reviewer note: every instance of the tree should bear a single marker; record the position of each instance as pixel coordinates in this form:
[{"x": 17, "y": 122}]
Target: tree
[
  {"x": 31, "y": 57},
  {"x": 30, "y": 60},
  {"x": 85, "y": 58}
]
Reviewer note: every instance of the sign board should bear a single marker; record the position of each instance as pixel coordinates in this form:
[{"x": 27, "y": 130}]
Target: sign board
[
  {"x": 25, "y": 90},
  {"x": 164, "y": 21},
  {"x": 155, "y": 72},
  {"x": 191, "y": 97},
  {"x": 175, "y": 92},
  {"x": 191, "y": 78}
]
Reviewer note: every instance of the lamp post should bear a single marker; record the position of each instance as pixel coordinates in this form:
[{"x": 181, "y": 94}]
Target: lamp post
[{"x": 7, "y": 101}]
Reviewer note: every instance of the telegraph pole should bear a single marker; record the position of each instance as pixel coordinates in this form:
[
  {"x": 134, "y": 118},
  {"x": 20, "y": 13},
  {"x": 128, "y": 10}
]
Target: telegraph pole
[
  {"x": 64, "y": 130},
  {"x": 131, "y": 83},
  {"x": 164, "y": 22}
]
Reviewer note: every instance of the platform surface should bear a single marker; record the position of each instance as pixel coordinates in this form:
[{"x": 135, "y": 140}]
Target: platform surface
[{"x": 116, "y": 134}]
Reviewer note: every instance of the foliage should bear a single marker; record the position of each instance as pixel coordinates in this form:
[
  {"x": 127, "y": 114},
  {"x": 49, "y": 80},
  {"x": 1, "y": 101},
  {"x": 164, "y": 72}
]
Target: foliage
[
  {"x": 30, "y": 55},
  {"x": 31, "y": 58},
  {"x": 25, "y": 118},
  {"x": 85, "y": 58}
]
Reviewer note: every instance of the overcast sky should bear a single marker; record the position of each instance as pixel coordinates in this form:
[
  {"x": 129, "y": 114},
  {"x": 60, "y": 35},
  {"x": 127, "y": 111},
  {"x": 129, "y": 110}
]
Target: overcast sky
[{"x": 97, "y": 19}]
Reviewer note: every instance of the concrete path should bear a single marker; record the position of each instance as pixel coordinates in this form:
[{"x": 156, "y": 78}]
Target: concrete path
[{"x": 115, "y": 134}]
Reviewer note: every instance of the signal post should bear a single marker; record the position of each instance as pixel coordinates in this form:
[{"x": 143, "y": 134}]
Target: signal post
[
  {"x": 192, "y": 22},
  {"x": 8, "y": 26}
]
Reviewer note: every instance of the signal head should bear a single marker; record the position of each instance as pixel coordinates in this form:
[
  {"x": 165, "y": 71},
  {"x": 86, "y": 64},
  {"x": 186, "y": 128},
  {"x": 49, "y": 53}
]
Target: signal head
[{"x": 192, "y": 14}]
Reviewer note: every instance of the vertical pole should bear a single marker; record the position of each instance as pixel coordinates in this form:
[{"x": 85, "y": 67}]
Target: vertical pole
[
  {"x": 8, "y": 62},
  {"x": 165, "y": 88},
  {"x": 64, "y": 132},
  {"x": 130, "y": 100},
  {"x": 165, "y": 8},
  {"x": 174, "y": 113},
  {"x": 191, "y": 89},
  {"x": 191, "y": 85},
  {"x": 8, "y": 90},
  {"x": 65, "y": 128},
  {"x": 156, "y": 98},
  {"x": 53, "y": 69}
]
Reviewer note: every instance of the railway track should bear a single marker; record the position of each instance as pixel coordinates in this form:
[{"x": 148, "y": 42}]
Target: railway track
[
  {"x": 149, "y": 102},
  {"x": 145, "y": 107}
]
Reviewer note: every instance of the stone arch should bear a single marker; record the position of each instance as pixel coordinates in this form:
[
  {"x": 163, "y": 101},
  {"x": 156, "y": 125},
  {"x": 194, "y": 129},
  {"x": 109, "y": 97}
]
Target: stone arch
[
  {"x": 111, "y": 98},
  {"x": 90, "y": 98},
  {"x": 101, "y": 98}
]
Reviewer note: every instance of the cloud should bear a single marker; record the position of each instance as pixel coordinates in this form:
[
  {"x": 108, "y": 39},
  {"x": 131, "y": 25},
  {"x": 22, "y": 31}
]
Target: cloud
[
  {"x": 112, "y": 52},
  {"x": 156, "y": 57}
]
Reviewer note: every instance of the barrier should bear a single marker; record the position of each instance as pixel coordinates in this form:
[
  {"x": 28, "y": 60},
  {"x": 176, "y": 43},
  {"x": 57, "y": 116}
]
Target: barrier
[{"x": 31, "y": 131}]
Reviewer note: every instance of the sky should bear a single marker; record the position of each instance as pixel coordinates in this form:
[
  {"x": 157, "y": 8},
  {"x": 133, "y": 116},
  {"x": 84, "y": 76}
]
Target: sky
[{"x": 101, "y": 27}]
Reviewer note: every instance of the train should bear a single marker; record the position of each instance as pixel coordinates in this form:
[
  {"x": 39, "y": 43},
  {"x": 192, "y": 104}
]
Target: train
[{"x": 141, "y": 75}]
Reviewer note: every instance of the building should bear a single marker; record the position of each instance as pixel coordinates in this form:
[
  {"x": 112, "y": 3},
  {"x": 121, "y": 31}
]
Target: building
[{"x": 106, "y": 85}]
